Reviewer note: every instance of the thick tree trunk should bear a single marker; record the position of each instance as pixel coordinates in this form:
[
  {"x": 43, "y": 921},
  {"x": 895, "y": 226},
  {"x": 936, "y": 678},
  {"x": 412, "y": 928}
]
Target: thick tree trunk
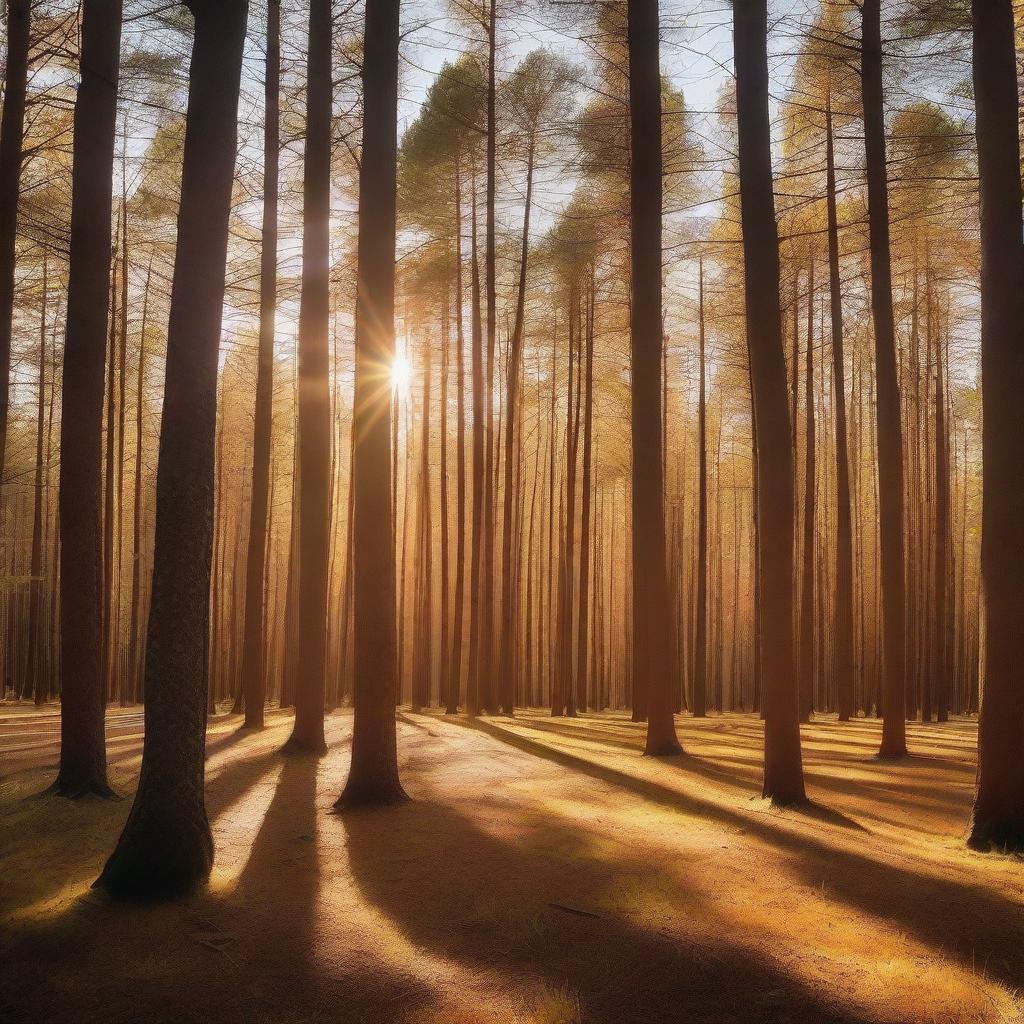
[
  {"x": 998, "y": 820},
  {"x": 650, "y": 592},
  {"x": 83, "y": 759},
  {"x": 783, "y": 772},
  {"x": 890, "y": 424},
  {"x": 166, "y": 846},
  {"x": 12, "y": 132},
  {"x": 253, "y": 640},
  {"x": 373, "y": 776}
]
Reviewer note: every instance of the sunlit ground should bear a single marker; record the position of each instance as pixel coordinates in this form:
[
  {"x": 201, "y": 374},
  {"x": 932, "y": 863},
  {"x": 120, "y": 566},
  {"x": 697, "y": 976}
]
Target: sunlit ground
[{"x": 544, "y": 872}]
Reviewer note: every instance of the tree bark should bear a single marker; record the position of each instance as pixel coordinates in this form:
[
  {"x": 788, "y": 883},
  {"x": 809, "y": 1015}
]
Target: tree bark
[
  {"x": 998, "y": 819},
  {"x": 889, "y": 417},
  {"x": 373, "y": 776},
  {"x": 83, "y": 759},
  {"x": 843, "y": 623},
  {"x": 12, "y": 138},
  {"x": 783, "y": 772},
  {"x": 650, "y": 590},
  {"x": 254, "y": 640},
  {"x": 166, "y": 846}
]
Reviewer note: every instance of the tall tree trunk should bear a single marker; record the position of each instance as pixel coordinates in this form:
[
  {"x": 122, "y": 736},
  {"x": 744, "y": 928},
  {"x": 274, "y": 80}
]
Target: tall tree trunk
[
  {"x": 473, "y": 686},
  {"x": 166, "y": 845},
  {"x": 582, "y": 672},
  {"x": 942, "y": 548},
  {"x": 36, "y": 682},
  {"x": 373, "y": 776},
  {"x": 783, "y": 772},
  {"x": 806, "y": 663},
  {"x": 254, "y": 641},
  {"x": 453, "y": 686},
  {"x": 314, "y": 391},
  {"x": 136, "y": 640},
  {"x": 12, "y": 138},
  {"x": 650, "y": 592},
  {"x": 843, "y": 623},
  {"x": 83, "y": 758},
  {"x": 890, "y": 425},
  {"x": 998, "y": 820},
  {"x": 507, "y": 695},
  {"x": 700, "y": 648}
]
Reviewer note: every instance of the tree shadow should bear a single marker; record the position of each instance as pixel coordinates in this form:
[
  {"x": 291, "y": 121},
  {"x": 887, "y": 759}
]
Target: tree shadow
[
  {"x": 532, "y": 913},
  {"x": 972, "y": 923}
]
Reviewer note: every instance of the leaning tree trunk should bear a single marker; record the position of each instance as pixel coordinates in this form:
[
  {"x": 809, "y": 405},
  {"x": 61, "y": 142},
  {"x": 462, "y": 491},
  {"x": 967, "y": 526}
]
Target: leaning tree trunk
[
  {"x": 83, "y": 757},
  {"x": 373, "y": 776},
  {"x": 650, "y": 590},
  {"x": 314, "y": 392},
  {"x": 12, "y": 139},
  {"x": 166, "y": 846},
  {"x": 783, "y": 771},
  {"x": 889, "y": 417},
  {"x": 998, "y": 819},
  {"x": 253, "y": 639},
  {"x": 843, "y": 622}
]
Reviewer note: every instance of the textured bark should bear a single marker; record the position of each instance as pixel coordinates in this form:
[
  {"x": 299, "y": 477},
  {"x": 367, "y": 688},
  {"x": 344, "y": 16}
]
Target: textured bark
[
  {"x": 36, "y": 682},
  {"x": 889, "y": 417},
  {"x": 254, "y": 639},
  {"x": 842, "y": 630},
  {"x": 783, "y": 772},
  {"x": 453, "y": 685},
  {"x": 700, "y": 649},
  {"x": 314, "y": 437},
  {"x": 650, "y": 592},
  {"x": 166, "y": 846},
  {"x": 373, "y": 776},
  {"x": 806, "y": 632},
  {"x": 83, "y": 759},
  {"x": 998, "y": 819},
  {"x": 12, "y": 138},
  {"x": 506, "y": 661}
]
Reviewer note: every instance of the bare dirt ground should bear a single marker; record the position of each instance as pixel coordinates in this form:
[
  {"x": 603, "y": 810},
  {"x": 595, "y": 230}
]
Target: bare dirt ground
[{"x": 544, "y": 872}]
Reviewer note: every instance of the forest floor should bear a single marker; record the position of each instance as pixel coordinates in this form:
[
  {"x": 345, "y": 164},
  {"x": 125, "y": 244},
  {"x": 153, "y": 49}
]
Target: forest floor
[{"x": 543, "y": 872}]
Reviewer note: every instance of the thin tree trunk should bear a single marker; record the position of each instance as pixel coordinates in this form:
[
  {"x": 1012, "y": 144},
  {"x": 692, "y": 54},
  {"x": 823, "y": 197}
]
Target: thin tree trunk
[
  {"x": 890, "y": 426},
  {"x": 806, "y": 663},
  {"x": 83, "y": 759},
  {"x": 253, "y": 638}
]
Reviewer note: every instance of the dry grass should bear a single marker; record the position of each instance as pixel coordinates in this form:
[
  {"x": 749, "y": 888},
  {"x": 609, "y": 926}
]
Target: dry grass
[{"x": 545, "y": 873}]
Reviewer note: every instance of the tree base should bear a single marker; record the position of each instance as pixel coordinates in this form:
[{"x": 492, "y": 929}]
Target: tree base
[
  {"x": 156, "y": 863},
  {"x": 77, "y": 789},
  {"x": 997, "y": 836},
  {"x": 360, "y": 796},
  {"x": 298, "y": 747},
  {"x": 785, "y": 797},
  {"x": 665, "y": 748}
]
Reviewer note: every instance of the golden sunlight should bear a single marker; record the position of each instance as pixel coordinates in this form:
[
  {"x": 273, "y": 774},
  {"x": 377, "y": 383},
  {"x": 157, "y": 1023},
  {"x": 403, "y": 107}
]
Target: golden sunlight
[{"x": 401, "y": 375}]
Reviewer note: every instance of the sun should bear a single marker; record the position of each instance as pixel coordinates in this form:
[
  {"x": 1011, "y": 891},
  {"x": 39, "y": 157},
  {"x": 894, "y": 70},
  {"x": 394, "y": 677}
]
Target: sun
[{"x": 401, "y": 374}]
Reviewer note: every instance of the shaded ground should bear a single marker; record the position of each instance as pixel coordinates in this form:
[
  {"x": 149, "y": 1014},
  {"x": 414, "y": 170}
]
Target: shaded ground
[{"x": 544, "y": 873}]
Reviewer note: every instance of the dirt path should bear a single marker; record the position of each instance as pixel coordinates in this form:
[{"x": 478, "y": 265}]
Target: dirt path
[{"x": 544, "y": 872}]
